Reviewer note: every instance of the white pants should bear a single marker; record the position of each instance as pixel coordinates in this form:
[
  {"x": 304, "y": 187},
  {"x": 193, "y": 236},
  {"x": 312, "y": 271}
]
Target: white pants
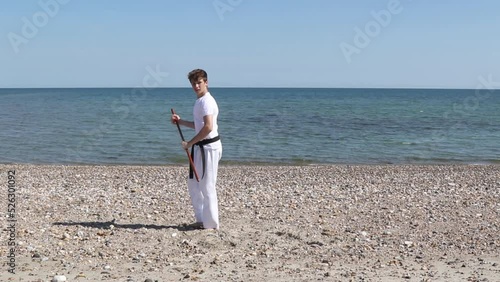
[{"x": 203, "y": 193}]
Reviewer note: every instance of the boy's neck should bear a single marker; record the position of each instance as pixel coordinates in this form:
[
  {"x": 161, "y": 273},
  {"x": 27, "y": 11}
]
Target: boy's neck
[{"x": 201, "y": 95}]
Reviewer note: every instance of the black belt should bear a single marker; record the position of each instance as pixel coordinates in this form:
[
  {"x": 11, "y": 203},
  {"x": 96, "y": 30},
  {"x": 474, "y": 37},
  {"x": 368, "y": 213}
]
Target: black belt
[{"x": 202, "y": 151}]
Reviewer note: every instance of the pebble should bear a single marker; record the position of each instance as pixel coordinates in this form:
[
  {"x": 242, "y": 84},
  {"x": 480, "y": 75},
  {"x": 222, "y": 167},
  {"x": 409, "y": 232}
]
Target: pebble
[
  {"x": 408, "y": 243},
  {"x": 59, "y": 278}
]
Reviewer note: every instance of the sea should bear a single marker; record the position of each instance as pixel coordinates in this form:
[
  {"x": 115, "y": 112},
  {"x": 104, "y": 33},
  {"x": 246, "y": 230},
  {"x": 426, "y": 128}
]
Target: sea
[{"x": 131, "y": 126}]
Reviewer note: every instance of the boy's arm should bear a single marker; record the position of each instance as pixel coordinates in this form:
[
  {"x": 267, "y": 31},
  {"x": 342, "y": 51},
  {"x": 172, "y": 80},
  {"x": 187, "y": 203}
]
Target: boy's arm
[
  {"x": 186, "y": 123},
  {"x": 205, "y": 130},
  {"x": 177, "y": 119}
]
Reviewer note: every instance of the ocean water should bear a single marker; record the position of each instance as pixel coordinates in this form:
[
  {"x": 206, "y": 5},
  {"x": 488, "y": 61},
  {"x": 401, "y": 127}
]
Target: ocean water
[{"x": 257, "y": 125}]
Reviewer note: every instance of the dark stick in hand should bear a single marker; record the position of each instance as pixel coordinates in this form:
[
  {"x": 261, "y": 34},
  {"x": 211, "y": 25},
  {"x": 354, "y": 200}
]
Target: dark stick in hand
[{"x": 187, "y": 152}]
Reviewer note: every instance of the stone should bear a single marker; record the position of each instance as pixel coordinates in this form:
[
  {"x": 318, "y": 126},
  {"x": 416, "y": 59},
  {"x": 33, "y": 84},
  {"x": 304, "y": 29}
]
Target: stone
[{"x": 59, "y": 278}]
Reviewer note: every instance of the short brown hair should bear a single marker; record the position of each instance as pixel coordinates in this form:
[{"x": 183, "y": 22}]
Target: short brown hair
[{"x": 196, "y": 74}]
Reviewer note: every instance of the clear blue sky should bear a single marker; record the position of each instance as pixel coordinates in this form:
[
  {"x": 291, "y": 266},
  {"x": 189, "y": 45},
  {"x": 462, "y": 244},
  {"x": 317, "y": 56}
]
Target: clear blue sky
[{"x": 250, "y": 43}]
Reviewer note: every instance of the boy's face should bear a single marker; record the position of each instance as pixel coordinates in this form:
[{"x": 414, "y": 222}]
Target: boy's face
[{"x": 200, "y": 86}]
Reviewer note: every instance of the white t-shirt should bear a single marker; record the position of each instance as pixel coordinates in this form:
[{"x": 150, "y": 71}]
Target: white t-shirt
[{"x": 204, "y": 106}]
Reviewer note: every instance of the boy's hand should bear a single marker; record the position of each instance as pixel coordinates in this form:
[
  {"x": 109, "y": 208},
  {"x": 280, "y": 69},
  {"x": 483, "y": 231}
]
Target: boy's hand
[{"x": 175, "y": 118}]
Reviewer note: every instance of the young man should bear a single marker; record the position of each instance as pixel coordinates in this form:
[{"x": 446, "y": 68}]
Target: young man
[{"x": 206, "y": 151}]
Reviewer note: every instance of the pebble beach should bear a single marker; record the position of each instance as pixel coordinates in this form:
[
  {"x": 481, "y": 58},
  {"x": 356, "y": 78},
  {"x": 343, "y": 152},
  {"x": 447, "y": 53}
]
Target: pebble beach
[{"x": 278, "y": 223}]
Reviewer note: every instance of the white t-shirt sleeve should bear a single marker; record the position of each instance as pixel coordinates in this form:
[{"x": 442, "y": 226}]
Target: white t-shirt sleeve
[{"x": 207, "y": 107}]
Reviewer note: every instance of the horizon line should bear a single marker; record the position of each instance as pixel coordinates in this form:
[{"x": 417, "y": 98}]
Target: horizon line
[{"x": 249, "y": 87}]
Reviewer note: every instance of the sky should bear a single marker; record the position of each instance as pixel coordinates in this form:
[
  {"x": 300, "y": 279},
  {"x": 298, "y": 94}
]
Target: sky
[{"x": 250, "y": 43}]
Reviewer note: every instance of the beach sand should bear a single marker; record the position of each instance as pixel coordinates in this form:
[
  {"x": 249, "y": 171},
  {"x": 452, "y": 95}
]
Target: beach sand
[{"x": 278, "y": 223}]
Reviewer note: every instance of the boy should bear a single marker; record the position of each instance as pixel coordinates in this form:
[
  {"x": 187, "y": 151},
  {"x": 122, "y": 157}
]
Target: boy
[{"x": 206, "y": 151}]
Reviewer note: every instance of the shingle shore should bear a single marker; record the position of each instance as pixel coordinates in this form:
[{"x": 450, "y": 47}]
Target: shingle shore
[{"x": 278, "y": 223}]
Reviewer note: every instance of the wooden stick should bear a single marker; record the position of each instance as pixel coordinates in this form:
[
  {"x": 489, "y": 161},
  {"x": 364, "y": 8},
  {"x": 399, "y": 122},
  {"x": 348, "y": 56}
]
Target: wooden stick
[{"x": 187, "y": 152}]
